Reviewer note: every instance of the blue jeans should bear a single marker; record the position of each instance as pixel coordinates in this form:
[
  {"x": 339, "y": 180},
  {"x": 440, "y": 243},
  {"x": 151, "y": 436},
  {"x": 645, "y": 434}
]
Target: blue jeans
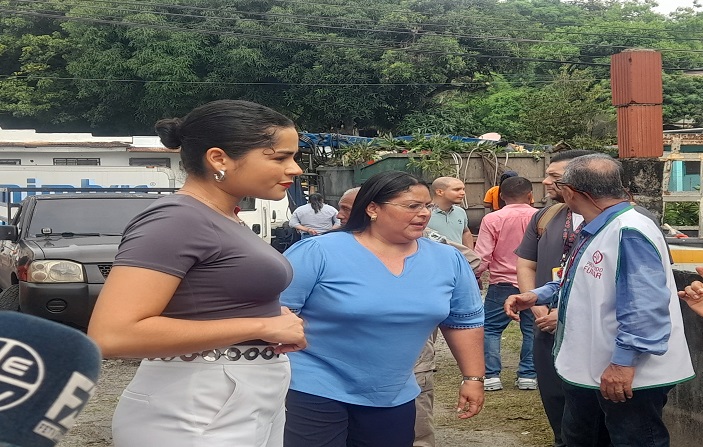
[
  {"x": 591, "y": 421},
  {"x": 494, "y": 325}
]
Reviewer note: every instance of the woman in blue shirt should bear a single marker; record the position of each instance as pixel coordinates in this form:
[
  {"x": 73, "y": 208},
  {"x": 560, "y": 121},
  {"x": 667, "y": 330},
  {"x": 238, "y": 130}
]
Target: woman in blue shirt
[{"x": 370, "y": 296}]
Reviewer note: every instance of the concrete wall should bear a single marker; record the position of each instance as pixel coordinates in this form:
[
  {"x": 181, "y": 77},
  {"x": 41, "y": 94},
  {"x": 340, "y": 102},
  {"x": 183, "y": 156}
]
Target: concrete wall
[
  {"x": 643, "y": 178},
  {"x": 684, "y": 412}
]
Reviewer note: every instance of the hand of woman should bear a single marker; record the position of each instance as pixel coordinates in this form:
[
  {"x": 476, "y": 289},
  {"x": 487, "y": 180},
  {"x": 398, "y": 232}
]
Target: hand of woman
[
  {"x": 287, "y": 331},
  {"x": 693, "y": 294},
  {"x": 471, "y": 395}
]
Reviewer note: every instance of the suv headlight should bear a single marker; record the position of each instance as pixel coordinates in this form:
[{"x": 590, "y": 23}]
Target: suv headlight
[{"x": 55, "y": 271}]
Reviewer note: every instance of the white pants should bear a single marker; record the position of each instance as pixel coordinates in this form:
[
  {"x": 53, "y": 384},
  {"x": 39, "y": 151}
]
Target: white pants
[{"x": 199, "y": 403}]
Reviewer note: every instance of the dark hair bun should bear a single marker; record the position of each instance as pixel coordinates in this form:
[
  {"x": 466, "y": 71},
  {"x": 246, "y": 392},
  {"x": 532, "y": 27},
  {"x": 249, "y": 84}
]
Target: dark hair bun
[{"x": 169, "y": 130}]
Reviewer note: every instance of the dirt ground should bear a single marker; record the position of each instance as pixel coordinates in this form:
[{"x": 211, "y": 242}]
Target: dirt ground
[{"x": 510, "y": 418}]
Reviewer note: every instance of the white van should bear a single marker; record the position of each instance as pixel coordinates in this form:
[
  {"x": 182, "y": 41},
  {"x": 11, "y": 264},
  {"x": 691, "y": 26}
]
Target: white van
[{"x": 264, "y": 216}]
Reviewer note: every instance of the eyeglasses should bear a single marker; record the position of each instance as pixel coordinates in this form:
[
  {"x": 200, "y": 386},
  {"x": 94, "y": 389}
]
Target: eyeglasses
[
  {"x": 412, "y": 207},
  {"x": 559, "y": 184}
]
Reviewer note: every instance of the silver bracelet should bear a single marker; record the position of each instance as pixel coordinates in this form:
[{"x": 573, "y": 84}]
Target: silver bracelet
[{"x": 473, "y": 378}]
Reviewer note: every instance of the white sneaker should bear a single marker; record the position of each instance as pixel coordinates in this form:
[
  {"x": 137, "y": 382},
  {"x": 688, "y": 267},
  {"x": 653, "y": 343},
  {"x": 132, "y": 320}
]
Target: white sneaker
[
  {"x": 526, "y": 384},
  {"x": 492, "y": 384}
]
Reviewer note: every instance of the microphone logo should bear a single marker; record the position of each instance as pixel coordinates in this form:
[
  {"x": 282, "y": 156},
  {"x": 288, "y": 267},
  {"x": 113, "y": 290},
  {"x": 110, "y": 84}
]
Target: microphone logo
[
  {"x": 21, "y": 372},
  {"x": 62, "y": 414}
]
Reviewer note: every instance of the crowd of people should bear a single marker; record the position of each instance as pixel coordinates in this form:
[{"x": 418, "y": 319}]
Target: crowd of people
[{"x": 332, "y": 343}]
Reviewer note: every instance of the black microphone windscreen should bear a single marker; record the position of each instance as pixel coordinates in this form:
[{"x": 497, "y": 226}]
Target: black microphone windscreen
[{"x": 48, "y": 372}]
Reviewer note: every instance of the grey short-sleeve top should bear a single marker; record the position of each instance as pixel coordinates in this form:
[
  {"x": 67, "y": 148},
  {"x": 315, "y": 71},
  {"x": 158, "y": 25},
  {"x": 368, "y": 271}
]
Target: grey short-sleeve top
[{"x": 226, "y": 270}]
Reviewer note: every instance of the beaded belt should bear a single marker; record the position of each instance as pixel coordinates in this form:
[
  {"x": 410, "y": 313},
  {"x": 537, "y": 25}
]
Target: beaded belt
[{"x": 230, "y": 354}]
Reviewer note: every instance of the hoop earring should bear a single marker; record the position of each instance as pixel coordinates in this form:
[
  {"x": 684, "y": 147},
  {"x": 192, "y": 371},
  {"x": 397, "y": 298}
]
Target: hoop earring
[{"x": 219, "y": 176}]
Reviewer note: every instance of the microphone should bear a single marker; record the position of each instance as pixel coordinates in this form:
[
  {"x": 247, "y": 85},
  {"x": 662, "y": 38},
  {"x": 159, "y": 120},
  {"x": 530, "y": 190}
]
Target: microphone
[{"x": 48, "y": 372}]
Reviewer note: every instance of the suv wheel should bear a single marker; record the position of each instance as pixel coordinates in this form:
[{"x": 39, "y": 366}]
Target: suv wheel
[{"x": 10, "y": 298}]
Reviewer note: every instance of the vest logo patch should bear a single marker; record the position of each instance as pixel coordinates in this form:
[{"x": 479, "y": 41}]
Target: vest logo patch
[
  {"x": 597, "y": 257},
  {"x": 592, "y": 269}
]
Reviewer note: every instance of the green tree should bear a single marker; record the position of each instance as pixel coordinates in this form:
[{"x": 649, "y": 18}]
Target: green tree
[
  {"x": 449, "y": 66},
  {"x": 683, "y": 99},
  {"x": 574, "y": 106}
]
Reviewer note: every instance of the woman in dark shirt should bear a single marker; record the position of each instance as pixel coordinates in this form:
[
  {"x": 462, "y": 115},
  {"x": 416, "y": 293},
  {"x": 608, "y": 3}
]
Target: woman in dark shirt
[{"x": 196, "y": 293}]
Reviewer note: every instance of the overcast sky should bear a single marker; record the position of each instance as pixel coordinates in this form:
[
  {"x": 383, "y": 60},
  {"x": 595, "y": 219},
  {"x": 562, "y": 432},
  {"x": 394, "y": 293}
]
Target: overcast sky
[{"x": 667, "y": 6}]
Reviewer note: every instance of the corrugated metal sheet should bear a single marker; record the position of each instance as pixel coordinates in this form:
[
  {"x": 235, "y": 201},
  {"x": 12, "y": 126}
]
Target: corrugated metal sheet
[
  {"x": 636, "y": 77},
  {"x": 640, "y": 131}
]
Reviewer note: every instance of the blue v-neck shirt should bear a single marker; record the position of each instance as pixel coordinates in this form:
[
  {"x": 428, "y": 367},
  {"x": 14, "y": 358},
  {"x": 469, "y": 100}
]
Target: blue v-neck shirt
[{"x": 365, "y": 326}]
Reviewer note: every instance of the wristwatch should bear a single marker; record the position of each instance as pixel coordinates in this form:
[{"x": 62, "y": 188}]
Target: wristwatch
[{"x": 473, "y": 378}]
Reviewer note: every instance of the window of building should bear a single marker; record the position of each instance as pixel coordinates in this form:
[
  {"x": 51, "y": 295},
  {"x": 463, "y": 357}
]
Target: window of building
[
  {"x": 163, "y": 162},
  {"x": 76, "y": 162},
  {"x": 692, "y": 167}
]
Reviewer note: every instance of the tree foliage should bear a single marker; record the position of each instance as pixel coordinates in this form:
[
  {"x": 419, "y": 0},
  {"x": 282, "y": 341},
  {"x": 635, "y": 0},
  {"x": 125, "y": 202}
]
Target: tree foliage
[{"x": 533, "y": 70}]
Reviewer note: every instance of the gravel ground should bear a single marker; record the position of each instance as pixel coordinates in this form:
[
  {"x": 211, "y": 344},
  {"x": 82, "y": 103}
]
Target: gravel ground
[{"x": 93, "y": 426}]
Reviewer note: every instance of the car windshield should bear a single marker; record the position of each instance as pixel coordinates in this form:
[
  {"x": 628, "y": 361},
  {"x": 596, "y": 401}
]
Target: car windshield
[{"x": 84, "y": 216}]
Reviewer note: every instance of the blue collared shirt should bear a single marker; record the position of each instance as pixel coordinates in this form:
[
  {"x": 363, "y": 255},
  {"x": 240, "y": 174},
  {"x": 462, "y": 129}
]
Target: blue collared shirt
[{"x": 642, "y": 314}]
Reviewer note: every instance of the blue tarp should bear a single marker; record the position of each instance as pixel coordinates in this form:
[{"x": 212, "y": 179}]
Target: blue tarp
[{"x": 336, "y": 141}]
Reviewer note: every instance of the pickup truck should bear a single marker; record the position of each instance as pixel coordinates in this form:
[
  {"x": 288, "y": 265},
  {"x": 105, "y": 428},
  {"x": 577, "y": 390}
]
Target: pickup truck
[{"x": 57, "y": 247}]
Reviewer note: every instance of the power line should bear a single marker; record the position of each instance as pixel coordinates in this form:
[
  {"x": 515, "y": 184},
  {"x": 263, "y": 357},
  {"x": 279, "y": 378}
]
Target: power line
[
  {"x": 303, "y": 41},
  {"x": 366, "y": 30},
  {"x": 296, "y": 84},
  {"x": 487, "y": 17},
  {"x": 356, "y": 19},
  {"x": 308, "y": 17}
]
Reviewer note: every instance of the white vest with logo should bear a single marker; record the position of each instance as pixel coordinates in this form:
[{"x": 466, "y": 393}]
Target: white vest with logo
[{"x": 586, "y": 340}]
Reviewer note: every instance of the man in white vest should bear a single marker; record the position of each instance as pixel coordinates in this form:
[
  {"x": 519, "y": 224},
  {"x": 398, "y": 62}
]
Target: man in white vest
[{"x": 620, "y": 345}]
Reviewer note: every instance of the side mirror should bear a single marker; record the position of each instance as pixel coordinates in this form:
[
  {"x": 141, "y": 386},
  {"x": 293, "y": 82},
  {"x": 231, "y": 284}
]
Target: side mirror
[
  {"x": 256, "y": 228},
  {"x": 8, "y": 232}
]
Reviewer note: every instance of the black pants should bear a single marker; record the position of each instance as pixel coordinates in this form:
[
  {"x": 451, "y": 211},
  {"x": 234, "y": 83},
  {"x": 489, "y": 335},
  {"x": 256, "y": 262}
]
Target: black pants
[
  {"x": 550, "y": 389},
  {"x": 590, "y": 420},
  {"x": 314, "y": 421}
]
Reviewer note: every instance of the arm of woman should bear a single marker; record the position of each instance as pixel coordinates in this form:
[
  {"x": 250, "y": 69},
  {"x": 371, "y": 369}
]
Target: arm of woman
[
  {"x": 463, "y": 331},
  {"x": 127, "y": 321},
  {"x": 467, "y": 348},
  {"x": 693, "y": 294}
]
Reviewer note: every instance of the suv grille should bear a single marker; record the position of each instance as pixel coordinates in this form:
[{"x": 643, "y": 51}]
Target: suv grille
[{"x": 105, "y": 269}]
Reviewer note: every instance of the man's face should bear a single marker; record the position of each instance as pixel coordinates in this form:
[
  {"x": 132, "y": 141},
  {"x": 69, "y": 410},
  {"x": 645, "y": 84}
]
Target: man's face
[
  {"x": 554, "y": 172},
  {"x": 345, "y": 206},
  {"x": 454, "y": 192}
]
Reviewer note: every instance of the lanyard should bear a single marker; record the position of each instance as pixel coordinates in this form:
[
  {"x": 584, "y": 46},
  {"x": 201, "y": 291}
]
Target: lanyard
[
  {"x": 568, "y": 236},
  {"x": 572, "y": 258}
]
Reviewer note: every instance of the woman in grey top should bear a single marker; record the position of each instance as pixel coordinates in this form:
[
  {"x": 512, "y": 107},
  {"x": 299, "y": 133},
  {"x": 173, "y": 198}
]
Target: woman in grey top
[
  {"x": 196, "y": 293},
  {"x": 314, "y": 218}
]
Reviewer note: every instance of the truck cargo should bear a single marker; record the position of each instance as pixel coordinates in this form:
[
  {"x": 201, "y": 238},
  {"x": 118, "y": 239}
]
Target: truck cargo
[
  {"x": 264, "y": 217},
  {"x": 86, "y": 177}
]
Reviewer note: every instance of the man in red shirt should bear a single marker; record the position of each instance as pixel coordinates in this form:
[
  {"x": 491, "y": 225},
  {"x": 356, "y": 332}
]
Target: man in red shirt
[{"x": 500, "y": 234}]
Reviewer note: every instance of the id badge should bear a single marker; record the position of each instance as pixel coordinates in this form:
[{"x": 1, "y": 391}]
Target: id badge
[{"x": 557, "y": 273}]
